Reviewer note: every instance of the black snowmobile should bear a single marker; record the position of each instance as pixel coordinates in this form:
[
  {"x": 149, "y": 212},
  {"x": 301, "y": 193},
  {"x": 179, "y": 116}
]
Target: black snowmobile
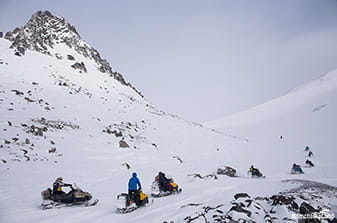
[
  {"x": 128, "y": 204},
  {"x": 75, "y": 196},
  {"x": 255, "y": 173},
  {"x": 162, "y": 186},
  {"x": 296, "y": 169},
  {"x": 309, "y": 164}
]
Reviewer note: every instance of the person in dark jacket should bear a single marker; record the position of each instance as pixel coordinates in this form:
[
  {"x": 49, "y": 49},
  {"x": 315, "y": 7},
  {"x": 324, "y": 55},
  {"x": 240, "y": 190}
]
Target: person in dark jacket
[
  {"x": 255, "y": 172},
  {"x": 297, "y": 168},
  {"x": 134, "y": 186},
  {"x": 162, "y": 181},
  {"x": 58, "y": 193},
  {"x": 309, "y": 163}
]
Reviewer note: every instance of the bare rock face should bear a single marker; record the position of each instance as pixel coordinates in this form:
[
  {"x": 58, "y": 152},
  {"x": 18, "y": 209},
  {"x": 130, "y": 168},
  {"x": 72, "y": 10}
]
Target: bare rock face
[
  {"x": 79, "y": 66},
  {"x": 229, "y": 171},
  {"x": 307, "y": 202},
  {"x": 43, "y": 31},
  {"x": 123, "y": 144}
]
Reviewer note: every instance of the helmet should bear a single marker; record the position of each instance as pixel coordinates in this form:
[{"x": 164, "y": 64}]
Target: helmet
[
  {"x": 134, "y": 174},
  {"x": 59, "y": 179}
]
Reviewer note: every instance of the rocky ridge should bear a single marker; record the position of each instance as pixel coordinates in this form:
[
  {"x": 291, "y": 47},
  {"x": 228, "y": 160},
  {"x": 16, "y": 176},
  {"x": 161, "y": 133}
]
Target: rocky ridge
[
  {"x": 44, "y": 31},
  {"x": 307, "y": 202}
]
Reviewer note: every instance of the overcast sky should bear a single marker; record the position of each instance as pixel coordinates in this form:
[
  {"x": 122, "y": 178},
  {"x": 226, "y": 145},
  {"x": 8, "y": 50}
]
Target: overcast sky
[{"x": 201, "y": 60}]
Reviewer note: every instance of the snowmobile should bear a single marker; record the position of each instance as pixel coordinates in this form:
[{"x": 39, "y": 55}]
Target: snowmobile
[
  {"x": 127, "y": 204},
  {"x": 170, "y": 188},
  {"x": 255, "y": 173},
  {"x": 76, "y": 196},
  {"x": 309, "y": 163},
  {"x": 296, "y": 169}
]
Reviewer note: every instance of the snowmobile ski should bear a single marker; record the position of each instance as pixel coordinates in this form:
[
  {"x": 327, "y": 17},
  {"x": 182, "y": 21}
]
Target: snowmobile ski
[
  {"x": 132, "y": 208},
  {"x": 75, "y": 197},
  {"x": 53, "y": 204},
  {"x": 166, "y": 193}
]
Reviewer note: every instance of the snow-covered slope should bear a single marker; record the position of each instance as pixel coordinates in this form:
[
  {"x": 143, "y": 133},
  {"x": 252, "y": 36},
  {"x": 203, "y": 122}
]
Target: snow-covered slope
[
  {"x": 303, "y": 117},
  {"x": 64, "y": 112}
]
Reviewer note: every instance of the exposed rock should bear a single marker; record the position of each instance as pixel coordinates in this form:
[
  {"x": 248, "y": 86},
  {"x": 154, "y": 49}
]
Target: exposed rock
[
  {"x": 178, "y": 158},
  {"x": 70, "y": 57},
  {"x": 18, "y": 92},
  {"x": 281, "y": 200},
  {"x": 35, "y": 130},
  {"x": 306, "y": 208},
  {"x": 198, "y": 175},
  {"x": 27, "y": 141},
  {"x": 123, "y": 144},
  {"x": 55, "y": 124},
  {"x": 239, "y": 208},
  {"x": 284, "y": 200},
  {"x": 241, "y": 195},
  {"x": 277, "y": 208},
  {"x": 115, "y": 132},
  {"x": 44, "y": 30},
  {"x": 52, "y": 150},
  {"x": 29, "y": 100},
  {"x": 58, "y": 56},
  {"x": 229, "y": 171},
  {"x": 127, "y": 165},
  {"x": 79, "y": 66}
]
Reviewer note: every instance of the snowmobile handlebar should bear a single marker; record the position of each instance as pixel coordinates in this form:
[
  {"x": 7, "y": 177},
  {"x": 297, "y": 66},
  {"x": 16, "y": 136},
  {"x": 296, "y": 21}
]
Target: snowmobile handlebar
[{"x": 69, "y": 185}]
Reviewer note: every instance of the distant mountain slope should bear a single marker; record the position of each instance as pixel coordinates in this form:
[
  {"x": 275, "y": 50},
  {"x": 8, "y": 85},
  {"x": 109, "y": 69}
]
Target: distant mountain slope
[
  {"x": 314, "y": 96},
  {"x": 284, "y": 126}
]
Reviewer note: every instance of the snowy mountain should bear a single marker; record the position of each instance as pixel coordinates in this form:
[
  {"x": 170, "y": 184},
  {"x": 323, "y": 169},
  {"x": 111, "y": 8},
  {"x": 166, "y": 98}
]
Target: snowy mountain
[{"x": 65, "y": 112}]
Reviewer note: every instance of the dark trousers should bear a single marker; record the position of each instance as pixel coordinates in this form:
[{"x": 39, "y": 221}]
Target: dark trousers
[{"x": 134, "y": 196}]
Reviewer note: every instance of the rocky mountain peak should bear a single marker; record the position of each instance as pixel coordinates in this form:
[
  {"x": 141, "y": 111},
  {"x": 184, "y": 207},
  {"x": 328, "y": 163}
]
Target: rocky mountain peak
[{"x": 43, "y": 31}]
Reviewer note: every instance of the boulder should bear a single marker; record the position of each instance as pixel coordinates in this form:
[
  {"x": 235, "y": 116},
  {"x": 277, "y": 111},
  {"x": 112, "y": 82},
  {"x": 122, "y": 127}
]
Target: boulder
[
  {"x": 123, "y": 144},
  {"x": 229, "y": 171}
]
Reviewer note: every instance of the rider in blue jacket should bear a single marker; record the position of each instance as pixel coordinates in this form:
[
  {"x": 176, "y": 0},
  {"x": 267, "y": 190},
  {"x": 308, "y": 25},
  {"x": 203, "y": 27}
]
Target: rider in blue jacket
[{"x": 133, "y": 190}]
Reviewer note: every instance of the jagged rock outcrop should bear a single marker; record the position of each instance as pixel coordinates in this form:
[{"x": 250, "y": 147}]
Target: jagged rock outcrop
[
  {"x": 227, "y": 170},
  {"x": 44, "y": 30},
  {"x": 79, "y": 66},
  {"x": 306, "y": 203}
]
